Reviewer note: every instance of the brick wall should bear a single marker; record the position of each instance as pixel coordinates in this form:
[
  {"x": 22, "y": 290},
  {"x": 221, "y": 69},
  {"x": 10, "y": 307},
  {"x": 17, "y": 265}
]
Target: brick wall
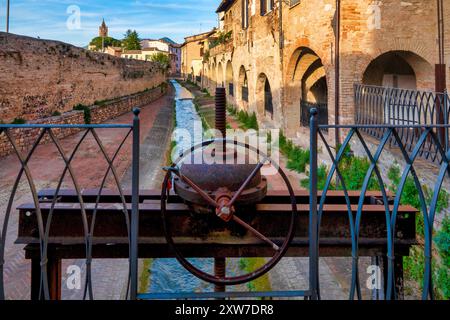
[
  {"x": 25, "y": 138},
  {"x": 40, "y": 77},
  {"x": 406, "y": 27}
]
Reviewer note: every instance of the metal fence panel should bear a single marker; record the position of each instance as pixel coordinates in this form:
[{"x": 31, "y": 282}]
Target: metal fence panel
[
  {"x": 402, "y": 107},
  {"x": 427, "y": 134}
]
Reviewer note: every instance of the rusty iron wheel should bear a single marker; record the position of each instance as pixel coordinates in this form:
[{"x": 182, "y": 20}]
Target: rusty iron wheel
[{"x": 227, "y": 281}]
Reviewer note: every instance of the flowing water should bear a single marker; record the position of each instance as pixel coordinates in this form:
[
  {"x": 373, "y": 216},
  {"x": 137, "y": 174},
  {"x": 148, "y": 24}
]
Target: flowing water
[{"x": 167, "y": 275}]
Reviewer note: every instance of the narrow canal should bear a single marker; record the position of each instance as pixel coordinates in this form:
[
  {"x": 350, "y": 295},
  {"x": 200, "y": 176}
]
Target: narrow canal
[{"x": 167, "y": 275}]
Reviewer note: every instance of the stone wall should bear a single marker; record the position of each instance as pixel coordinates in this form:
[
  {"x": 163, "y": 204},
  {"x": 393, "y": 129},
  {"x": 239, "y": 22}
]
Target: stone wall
[
  {"x": 41, "y": 77},
  {"x": 24, "y": 138}
]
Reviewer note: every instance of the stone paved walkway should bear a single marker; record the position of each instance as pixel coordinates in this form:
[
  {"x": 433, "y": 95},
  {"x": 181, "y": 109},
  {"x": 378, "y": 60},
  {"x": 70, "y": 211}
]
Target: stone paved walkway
[{"x": 109, "y": 277}]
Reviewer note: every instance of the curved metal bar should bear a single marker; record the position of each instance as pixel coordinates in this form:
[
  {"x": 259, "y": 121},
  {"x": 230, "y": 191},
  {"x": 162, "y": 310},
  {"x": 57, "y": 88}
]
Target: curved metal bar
[
  {"x": 445, "y": 168},
  {"x": 373, "y": 167},
  {"x": 246, "y": 182},
  {"x": 347, "y": 198},
  {"x": 24, "y": 168},
  {"x": 410, "y": 168},
  {"x": 84, "y": 219},
  {"x": 112, "y": 169}
]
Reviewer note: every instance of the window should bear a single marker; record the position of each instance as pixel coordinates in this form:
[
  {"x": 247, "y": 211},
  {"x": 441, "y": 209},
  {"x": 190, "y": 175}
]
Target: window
[
  {"x": 201, "y": 52},
  {"x": 244, "y": 14},
  {"x": 294, "y": 2},
  {"x": 267, "y": 6}
]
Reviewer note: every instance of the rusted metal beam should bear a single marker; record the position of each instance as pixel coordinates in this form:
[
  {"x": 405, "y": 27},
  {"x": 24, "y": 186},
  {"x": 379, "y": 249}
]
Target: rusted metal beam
[
  {"x": 273, "y": 196},
  {"x": 190, "y": 229}
]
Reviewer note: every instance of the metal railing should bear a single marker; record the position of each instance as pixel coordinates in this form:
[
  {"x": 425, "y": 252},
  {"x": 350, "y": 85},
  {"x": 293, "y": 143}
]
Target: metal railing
[
  {"x": 391, "y": 205},
  {"x": 231, "y": 89},
  {"x": 244, "y": 94},
  {"x": 51, "y": 131},
  {"x": 305, "y": 112},
  {"x": 408, "y": 108},
  {"x": 268, "y": 103}
]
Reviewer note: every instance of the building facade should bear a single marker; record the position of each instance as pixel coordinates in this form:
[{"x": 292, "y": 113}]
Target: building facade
[
  {"x": 166, "y": 46},
  {"x": 193, "y": 56},
  {"x": 277, "y": 60}
]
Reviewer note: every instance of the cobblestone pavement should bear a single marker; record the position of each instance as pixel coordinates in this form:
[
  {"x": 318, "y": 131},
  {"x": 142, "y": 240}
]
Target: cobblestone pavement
[{"x": 109, "y": 277}]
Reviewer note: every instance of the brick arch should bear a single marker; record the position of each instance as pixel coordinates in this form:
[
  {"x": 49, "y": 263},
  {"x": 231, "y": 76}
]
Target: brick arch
[
  {"x": 305, "y": 68},
  {"x": 206, "y": 76},
  {"x": 229, "y": 78},
  {"x": 422, "y": 70},
  {"x": 426, "y": 52},
  {"x": 212, "y": 76},
  {"x": 318, "y": 74},
  {"x": 219, "y": 76},
  {"x": 261, "y": 83},
  {"x": 242, "y": 76}
]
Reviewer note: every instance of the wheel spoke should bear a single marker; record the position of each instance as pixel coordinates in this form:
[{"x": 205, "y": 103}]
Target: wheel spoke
[
  {"x": 246, "y": 182},
  {"x": 199, "y": 190},
  {"x": 256, "y": 232}
]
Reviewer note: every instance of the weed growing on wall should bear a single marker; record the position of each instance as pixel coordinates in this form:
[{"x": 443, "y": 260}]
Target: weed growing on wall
[{"x": 86, "y": 110}]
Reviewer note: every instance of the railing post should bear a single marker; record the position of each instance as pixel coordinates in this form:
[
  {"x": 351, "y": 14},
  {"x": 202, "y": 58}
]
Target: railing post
[
  {"x": 313, "y": 218},
  {"x": 446, "y": 100},
  {"x": 134, "y": 232}
]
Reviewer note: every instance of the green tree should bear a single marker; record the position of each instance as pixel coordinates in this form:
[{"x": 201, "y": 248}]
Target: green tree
[
  {"x": 162, "y": 60},
  {"x": 97, "y": 42},
  {"x": 131, "y": 40}
]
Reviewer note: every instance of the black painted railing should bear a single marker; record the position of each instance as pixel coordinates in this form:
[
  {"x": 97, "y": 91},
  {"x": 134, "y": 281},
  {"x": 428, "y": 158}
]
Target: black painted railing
[
  {"x": 305, "y": 112},
  {"x": 244, "y": 94},
  {"x": 231, "y": 89},
  {"x": 411, "y": 109}
]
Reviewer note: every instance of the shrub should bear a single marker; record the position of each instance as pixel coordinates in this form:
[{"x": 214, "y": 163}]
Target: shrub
[
  {"x": 298, "y": 158},
  {"x": 322, "y": 175},
  {"x": 86, "y": 110},
  {"x": 18, "y": 121}
]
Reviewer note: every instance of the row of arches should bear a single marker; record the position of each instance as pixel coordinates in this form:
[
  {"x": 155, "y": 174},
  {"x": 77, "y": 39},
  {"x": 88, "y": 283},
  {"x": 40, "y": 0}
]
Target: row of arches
[{"x": 307, "y": 81}]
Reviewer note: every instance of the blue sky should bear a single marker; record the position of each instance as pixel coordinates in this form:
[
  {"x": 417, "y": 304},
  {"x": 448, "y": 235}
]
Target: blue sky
[{"x": 151, "y": 18}]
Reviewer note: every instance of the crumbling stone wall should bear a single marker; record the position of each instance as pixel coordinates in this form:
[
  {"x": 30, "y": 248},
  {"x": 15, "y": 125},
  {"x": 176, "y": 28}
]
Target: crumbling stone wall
[{"x": 41, "y": 77}]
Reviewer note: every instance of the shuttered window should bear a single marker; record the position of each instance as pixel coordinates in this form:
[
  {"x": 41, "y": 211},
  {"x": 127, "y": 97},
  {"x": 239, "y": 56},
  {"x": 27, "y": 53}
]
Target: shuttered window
[
  {"x": 244, "y": 14},
  {"x": 267, "y": 6}
]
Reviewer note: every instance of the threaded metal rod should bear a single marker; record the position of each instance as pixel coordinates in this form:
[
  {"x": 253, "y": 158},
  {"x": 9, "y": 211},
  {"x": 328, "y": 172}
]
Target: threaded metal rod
[
  {"x": 219, "y": 271},
  {"x": 221, "y": 119}
]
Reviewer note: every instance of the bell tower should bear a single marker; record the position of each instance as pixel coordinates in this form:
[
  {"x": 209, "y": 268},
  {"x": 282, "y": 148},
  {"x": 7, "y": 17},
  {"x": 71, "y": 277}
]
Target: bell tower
[{"x": 103, "y": 30}]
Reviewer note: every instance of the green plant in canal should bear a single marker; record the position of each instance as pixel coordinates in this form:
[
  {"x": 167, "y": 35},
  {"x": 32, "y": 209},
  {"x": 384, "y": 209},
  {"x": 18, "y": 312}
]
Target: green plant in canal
[
  {"x": 251, "y": 264},
  {"x": 144, "y": 278}
]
